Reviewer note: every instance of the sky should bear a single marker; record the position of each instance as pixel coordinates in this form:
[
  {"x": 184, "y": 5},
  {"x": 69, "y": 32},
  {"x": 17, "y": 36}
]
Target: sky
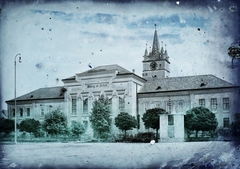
[{"x": 58, "y": 39}]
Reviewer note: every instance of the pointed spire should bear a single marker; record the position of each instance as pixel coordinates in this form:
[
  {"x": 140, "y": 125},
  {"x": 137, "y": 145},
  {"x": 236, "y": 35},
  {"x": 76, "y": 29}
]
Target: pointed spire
[
  {"x": 155, "y": 46},
  {"x": 146, "y": 54},
  {"x": 162, "y": 50},
  {"x": 166, "y": 54},
  {"x": 146, "y": 51}
]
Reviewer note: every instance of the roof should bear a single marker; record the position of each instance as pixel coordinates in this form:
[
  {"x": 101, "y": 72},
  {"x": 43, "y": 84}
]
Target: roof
[
  {"x": 43, "y": 93},
  {"x": 105, "y": 69},
  {"x": 184, "y": 83}
]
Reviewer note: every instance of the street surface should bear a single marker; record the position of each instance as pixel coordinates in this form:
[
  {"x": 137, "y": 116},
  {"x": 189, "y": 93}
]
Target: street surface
[{"x": 120, "y": 155}]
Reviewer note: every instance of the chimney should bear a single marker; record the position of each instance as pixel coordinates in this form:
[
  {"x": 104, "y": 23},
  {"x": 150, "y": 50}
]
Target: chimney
[{"x": 133, "y": 70}]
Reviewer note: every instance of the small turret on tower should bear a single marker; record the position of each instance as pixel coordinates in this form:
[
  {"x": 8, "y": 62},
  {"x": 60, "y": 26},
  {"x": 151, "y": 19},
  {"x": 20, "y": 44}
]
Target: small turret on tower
[{"x": 146, "y": 54}]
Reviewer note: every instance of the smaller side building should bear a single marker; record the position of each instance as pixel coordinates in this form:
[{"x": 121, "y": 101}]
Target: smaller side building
[
  {"x": 176, "y": 95},
  {"x": 37, "y": 103}
]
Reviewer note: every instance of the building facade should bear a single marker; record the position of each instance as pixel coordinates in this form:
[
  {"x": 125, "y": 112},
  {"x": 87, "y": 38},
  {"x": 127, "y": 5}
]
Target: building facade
[
  {"x": 79, "y": 92},
  {"x": 127, "y": 92},
  {"x": 177, "y": 95}
]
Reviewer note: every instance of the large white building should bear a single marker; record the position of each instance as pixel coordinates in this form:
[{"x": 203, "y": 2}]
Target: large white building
[{"x": 127, "y": 92}]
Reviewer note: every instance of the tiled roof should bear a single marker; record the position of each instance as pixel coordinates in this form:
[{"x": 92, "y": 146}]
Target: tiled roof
[
  {"x": 43, "y": 93},
  {"x": 184, "y": 83},
  {"x": 104, "y": 70}
]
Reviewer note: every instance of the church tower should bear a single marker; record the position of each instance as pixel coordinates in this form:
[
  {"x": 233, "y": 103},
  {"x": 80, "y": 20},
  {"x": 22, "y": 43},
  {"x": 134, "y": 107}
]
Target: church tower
[{"x": 156, "y": 63}]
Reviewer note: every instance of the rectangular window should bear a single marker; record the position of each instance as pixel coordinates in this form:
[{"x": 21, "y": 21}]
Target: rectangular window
[
  {"x": 225, "y": 103},
  {"x": 85, "y": 105},
  {"x": 180, "y": 106},
  {"x": 13, "y": 112},
  {"x": 170, "y": 120},
  {"x": 74, "y": 106},
  {"x": 158, "y": 104},
  {"x": 121, "y": 104},
  {"x": 214, "y": 104},
  {"x": 226, "y": 122},
  {"x": 21, "y": 112},
  {"x": 42, "y": 111},
  {"x": 202, "y": 102},
  {"x": 28, "y": 112}
]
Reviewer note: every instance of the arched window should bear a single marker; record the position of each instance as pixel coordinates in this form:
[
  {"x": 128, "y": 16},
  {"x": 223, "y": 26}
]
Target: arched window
[
  {"x": 85, "y": 105},
  {"x": 74, "y": 105},
  {"x": 110, "y": 104},
  {"x": 121, "y": 104}
]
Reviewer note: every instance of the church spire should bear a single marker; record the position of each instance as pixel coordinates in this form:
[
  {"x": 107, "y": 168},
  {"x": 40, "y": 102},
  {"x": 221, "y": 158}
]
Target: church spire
[{"x": 155, "y": 46}]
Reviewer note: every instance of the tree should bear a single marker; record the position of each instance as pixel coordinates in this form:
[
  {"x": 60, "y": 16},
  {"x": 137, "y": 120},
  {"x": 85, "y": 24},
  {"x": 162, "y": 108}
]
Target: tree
[
  {"x": 30, "y": 125},
  {"x": 200, "y": 119},
  {"x": 151, "y": 119},
  {"x": 77, "y": 128},
  {"x": 100, "y": 117},
  {"x": 55, "y": 123},
  {"x": 236, "y": 126},
  {"x": 6, "y": 125},
  {"x": 125, "y": 121}
]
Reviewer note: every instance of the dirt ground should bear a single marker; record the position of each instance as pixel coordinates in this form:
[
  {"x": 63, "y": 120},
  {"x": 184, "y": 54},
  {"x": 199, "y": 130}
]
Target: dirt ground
[{"x": 121, "y": 155}]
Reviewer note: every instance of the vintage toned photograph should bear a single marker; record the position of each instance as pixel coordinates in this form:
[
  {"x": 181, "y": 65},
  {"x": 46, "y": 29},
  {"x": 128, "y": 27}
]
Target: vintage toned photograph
[{"x": 120, "y": 84}]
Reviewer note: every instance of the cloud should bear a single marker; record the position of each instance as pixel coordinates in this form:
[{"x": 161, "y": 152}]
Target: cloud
[
  {"x": 101, "y": 18},
  {"x": 174, "y": 20},
  {"x": 58, "y": 15}
]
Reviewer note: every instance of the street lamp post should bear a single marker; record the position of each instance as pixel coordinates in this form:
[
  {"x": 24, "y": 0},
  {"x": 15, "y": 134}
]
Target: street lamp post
[{"x": 15, "y": 122}]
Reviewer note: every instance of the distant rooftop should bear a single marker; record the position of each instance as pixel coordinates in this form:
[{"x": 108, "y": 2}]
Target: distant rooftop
[
  {"x": 43, "y": 93},
  {"x": 105, "y": 69},
  {"x": 184, "y": 83}
]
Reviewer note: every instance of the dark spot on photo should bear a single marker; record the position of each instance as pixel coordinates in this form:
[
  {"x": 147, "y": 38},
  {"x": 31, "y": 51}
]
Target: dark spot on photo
[
  {"x": 42, "y": 28},
  {"x": 39, "y": 65},
  {"x": 199, "y": 29}
]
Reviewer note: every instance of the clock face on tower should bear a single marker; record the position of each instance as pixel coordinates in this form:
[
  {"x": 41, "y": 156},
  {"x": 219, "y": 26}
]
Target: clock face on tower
[{"x": 153, "y": 65}]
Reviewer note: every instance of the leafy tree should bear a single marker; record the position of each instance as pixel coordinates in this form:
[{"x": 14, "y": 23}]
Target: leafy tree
[
  {"x": 6, "y": 125},
  {"x": 30, "y": 125},
  {"x": 236, "y": 126},
  {"x": 151, "y": 119},
  {"x": 55, "y": 123},
  {"x": 125, "y": 121},
  {"x": 100, "y": 117},
  {"x": 200, "y": 119},
  {"x": 77, "y": 128}
]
